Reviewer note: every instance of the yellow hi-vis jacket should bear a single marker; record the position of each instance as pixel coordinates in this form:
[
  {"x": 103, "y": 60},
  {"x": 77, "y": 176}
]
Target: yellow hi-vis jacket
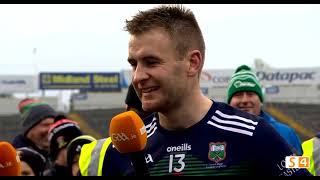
[
  {"x": 92, "y": 156},
  {"x": 311, "y": 149}
]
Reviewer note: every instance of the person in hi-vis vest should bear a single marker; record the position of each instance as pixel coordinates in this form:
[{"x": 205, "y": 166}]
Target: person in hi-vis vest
[
  {"x": 92, "y": 156},
  {"x": 311, "y": 149}
]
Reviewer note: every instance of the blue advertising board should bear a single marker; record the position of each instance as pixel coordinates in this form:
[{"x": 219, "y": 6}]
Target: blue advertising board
[
  {"x": 83, "y": 81},
  {"x": 272, "y": 90}
]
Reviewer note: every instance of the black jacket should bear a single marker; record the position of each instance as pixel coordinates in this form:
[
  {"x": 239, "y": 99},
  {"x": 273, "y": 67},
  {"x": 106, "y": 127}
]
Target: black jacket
[
  {"x": 58, "y": 170},
  {"x": 22, "y": 141}
]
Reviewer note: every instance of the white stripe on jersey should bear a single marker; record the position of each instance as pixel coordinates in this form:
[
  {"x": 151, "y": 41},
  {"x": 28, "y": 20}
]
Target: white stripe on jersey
[
  {"x": 231, "y": 129},
  {"x": 154, "y": 130},
  {"x": 233, "y": 123},
  {"x": 151, "y": 127},
  {"x": 235, "y": 117},
  {"x": 153, "y": 120}
]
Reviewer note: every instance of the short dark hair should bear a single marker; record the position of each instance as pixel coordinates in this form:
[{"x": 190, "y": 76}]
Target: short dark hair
[{"x": 179, "y": 22}]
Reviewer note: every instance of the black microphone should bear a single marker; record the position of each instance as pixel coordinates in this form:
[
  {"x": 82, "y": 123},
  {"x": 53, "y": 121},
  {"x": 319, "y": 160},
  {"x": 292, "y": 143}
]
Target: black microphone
[{"x": 129, "y": 136}]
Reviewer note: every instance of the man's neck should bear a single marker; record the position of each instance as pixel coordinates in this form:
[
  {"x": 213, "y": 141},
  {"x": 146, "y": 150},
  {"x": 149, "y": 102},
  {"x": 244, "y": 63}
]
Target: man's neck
[{"x": 188, "y": 114}]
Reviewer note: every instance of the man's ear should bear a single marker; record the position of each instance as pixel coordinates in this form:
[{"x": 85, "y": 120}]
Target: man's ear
[{"x": 195, "y": 62}]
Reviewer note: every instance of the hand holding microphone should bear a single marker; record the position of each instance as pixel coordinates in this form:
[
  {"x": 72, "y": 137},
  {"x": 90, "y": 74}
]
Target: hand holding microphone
[
  {"x": 9, "y": 160},
  {"x": 129, "y": 136}
]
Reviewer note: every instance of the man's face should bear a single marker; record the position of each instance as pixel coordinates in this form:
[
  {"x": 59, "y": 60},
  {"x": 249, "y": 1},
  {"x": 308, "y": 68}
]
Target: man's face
[
  {"x": 247, "y": 101},
  {"x": 159, "y": 77},
  {"x": 39, "y": 133}
]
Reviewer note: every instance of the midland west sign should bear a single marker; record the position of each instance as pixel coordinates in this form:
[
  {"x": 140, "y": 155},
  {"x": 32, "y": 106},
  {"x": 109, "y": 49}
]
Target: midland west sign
[{"x": 82, "y": 81}]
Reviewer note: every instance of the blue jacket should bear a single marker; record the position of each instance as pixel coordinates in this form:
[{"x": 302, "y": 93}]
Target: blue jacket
[{"x": 285, "y": 131}]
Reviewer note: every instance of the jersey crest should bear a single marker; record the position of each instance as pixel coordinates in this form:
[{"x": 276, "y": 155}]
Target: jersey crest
[{"x": 217, "y": 151}]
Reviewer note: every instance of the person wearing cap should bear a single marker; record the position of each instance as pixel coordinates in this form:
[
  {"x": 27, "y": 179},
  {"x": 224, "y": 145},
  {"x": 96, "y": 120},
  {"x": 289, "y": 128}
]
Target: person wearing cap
[
  {"x": 61, "y": 133},
  {"x": 245, "y": 93},
  {"x": 73, "y": 152},
  {"x": 36, "y": 117},
  {"x": 32, "y": 162}
]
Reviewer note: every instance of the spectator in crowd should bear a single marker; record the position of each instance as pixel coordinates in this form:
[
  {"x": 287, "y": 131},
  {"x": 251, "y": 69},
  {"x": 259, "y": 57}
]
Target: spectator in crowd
[
  {"x": 35, "y": 123},
  {"x": 61, "y": 133},
  {"x": 188, "y": 131},
  {"x": 245, "y": 93},
  {"x": 133, "y": 103},
  {"x": 32, "y": 162},
  {"x": 73, "y": 152},
  {"x": 37, "y": 118},
  {"x": 311, "y": 149}
]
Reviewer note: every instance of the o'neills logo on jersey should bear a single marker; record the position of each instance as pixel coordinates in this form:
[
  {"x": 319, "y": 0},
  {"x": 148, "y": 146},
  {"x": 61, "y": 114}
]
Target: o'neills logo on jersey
[{"x": 182, "y": 147}]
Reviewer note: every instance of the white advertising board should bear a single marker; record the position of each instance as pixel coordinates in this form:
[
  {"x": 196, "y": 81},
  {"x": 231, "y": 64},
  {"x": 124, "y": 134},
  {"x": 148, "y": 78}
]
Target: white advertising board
[{"x": 18, "y": 83}]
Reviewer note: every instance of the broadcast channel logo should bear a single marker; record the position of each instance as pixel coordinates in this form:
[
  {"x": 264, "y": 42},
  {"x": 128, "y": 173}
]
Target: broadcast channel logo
[{"x": 297, "y": 162}]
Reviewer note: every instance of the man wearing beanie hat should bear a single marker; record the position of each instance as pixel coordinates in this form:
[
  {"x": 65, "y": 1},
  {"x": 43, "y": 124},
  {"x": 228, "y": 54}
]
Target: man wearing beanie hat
[
  {"x": 61, "y": 133},
  {"x": 32, "y": 162},
  {"x": 37, "y": 117},
  {"x": 73, "y": 152},
  {"x": 245, "y": 93}
]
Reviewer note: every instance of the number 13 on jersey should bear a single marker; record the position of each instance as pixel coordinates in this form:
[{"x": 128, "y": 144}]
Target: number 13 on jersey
[{"x": 180, "y": 162}]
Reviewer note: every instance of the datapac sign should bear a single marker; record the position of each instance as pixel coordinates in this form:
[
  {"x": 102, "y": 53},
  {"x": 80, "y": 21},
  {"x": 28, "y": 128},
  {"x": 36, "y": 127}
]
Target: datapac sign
[
  {"x": 83, "y": 81},
  {"x": 289, "y": 76},
  {"x": 297, "y": 76}
]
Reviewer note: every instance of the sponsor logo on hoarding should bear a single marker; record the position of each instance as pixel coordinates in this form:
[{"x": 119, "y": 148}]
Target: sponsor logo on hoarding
[
  {"x": 83, "y": 81},
  {"x": 285, "y": 76}
]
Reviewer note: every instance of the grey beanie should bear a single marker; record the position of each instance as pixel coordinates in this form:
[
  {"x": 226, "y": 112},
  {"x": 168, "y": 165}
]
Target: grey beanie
[{"x": 35, "y": 115}]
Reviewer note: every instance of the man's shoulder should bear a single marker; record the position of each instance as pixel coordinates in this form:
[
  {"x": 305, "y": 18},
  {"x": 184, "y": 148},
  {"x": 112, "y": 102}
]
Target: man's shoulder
[
  {"x": 229, "y": 119},
  {"x": 20, "y": 141},
  {"x": 283, "y": 127},
  {"x": 234, "y": 112},
  {"x": 277, "y": 124}
]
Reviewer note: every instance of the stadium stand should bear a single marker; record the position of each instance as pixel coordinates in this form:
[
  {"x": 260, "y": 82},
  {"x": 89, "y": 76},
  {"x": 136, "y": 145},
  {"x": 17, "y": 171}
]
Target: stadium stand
[
  {"x": 304, "y": 118},
  {"x": 10, "y": 126},
  {"x": 95, "y": 122}
]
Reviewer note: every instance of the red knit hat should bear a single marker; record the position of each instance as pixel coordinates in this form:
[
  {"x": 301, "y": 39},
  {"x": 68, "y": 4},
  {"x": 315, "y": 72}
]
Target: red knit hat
[{"x": 25, "y": 102}]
